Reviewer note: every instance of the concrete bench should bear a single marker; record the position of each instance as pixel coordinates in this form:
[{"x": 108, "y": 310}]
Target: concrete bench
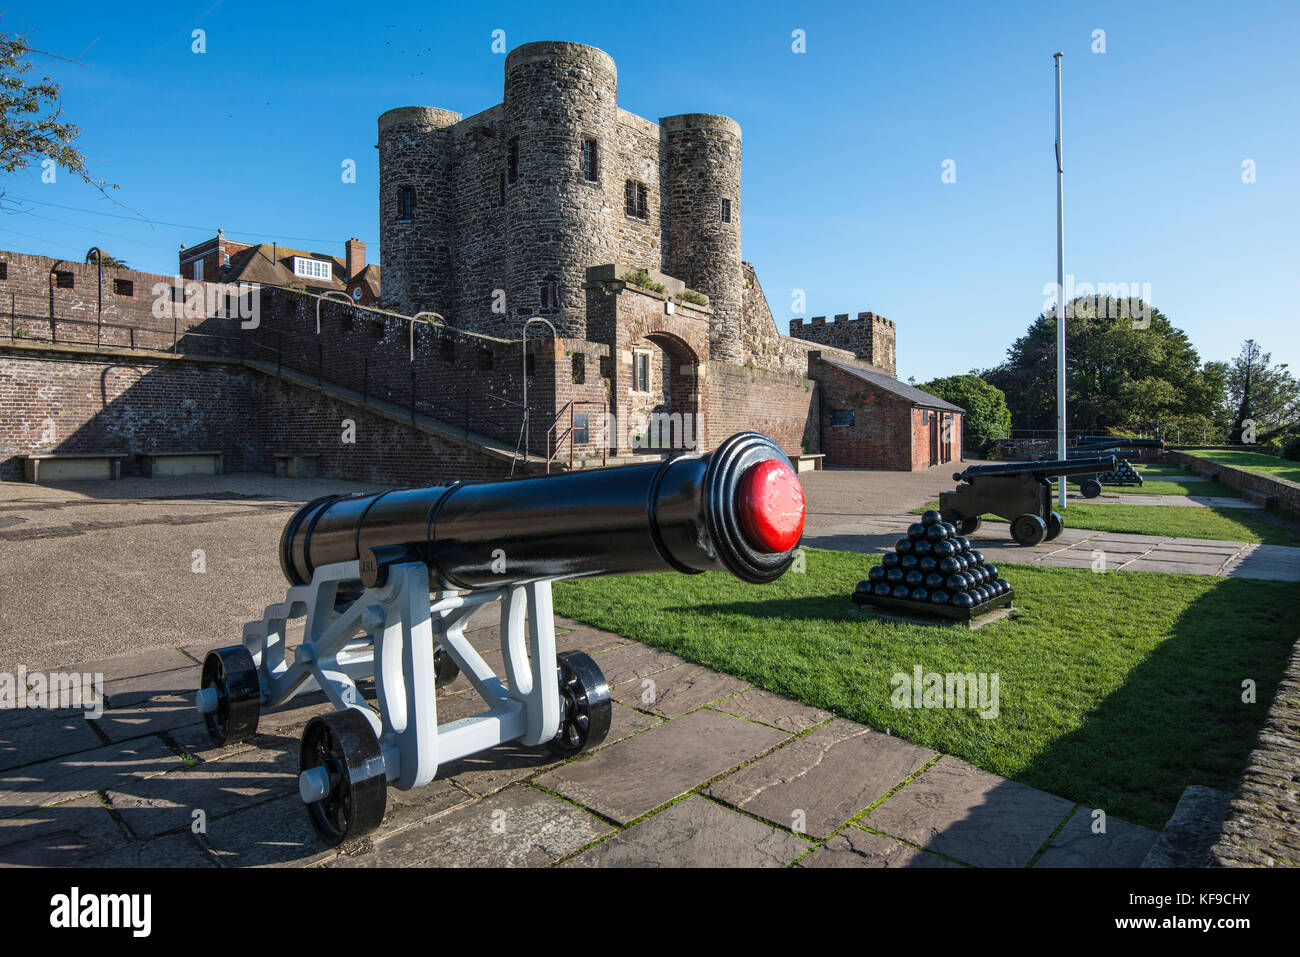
[
  {"x": 808, "y": 462},
  {"x": 167, "y": 464},
  {"x": 300, "y": 465},
  {"x": 72, "y": 466}
]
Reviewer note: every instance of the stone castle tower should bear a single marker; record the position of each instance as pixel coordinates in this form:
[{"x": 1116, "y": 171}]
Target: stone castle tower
[{"x": 493, "y": 218}]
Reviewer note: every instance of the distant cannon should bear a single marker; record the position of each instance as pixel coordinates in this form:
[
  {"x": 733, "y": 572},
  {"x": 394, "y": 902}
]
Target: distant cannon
[
  {"x": 388, "y": 582},
  {"x": 1020, "y": 492},
  {"x": 1122, "y": 474}
]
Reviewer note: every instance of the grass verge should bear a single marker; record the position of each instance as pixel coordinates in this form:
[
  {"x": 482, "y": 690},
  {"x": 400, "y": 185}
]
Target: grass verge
[
  {"x": 1115, "y": 690},
  {"x": 1252, "y": 461}
]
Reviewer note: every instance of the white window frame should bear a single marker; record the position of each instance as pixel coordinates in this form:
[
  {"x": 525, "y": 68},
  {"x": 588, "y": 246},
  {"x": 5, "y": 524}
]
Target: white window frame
[
  {"x": 307, "y": 268},
  {"x": 637, "y": 357}
]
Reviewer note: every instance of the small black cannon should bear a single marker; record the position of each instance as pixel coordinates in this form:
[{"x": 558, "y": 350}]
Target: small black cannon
[
  {"x": 1122, "y": 474},
  {"x": 386, "y": 584},
  {"x": 1020, "y": 492}
]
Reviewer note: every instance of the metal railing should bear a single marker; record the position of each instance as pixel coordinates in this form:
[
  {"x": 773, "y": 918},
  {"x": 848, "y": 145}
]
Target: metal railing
[{"x": 555, "y": 442}]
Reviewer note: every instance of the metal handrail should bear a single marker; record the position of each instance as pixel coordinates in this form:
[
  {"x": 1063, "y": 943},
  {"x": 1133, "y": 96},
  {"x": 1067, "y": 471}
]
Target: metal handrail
[{"x": 554, "y": 442}]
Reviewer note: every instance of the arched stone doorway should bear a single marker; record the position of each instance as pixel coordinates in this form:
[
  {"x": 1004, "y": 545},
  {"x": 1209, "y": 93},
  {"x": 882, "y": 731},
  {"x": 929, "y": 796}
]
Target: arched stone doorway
[{"x": 661, "y": 400}]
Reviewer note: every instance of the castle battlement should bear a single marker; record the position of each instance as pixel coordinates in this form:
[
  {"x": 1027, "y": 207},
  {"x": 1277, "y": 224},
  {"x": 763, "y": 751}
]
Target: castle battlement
[{"x": 868, "y": 336}]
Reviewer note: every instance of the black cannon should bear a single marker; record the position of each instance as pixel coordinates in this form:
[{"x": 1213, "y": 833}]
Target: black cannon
[
  {"x": 388, "y": 582},
  {"x": 1122, "y": 474},
  {"x": 1020, "y": 492}
]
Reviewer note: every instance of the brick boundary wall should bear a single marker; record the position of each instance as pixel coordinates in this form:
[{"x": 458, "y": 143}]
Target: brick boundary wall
[
  {"x": 1277, "y": 492},
  {"x": 133, "y": 404},
  {"x": 1262, "y": 827}
]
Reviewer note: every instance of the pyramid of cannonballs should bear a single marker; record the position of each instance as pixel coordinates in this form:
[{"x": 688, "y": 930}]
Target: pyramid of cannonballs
[
  {"x": 933, "y": 566},
  {"x": 1124, "y": 474}
]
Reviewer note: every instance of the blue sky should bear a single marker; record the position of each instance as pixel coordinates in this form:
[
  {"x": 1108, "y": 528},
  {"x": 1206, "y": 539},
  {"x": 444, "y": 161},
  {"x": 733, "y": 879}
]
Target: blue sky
[{"x": 844, "y": 144}]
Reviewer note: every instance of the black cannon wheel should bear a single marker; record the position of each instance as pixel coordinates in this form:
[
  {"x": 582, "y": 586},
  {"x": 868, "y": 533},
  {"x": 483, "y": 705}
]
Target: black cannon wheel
[
  {"x": 584, "y": 703},
  {"x": 445, "y": 669},
  {"x": 1029, "y": 529},
  {"x": 1054, "y": 526},
  {"x": 234, "y": 676},
  {"x": 1089, "y": 488},
  {"x": 965, "y": 526},
  {"x": 345, "y": 745}
]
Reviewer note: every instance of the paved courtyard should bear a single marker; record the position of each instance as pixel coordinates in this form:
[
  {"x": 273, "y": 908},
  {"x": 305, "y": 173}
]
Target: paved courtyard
[
  {"x": 135, "y": 580},
  {"x": 709, "y": 771}
]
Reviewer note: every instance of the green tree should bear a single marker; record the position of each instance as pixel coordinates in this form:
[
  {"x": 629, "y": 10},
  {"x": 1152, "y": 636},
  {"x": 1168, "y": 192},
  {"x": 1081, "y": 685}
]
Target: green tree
[
  {"x": 1264, "y": 398},
  {"x": 1125, "y": 373},
  {"x": 32, "y": 124},
  {"x": 987, "y": 416}
]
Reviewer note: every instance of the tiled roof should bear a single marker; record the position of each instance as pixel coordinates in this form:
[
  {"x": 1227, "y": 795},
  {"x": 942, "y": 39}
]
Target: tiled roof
[{"x": 909, "y": 392}]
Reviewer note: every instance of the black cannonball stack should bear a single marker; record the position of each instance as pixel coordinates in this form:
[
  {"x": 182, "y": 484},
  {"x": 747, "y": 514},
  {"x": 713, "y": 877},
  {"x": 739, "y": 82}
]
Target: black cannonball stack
[{"x": 934, "y": 570}]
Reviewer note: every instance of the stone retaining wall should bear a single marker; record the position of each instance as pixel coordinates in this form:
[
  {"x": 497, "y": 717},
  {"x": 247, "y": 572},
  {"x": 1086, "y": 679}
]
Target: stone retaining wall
[
  {"x": 1262, "y": 828},
  {"x": 1273, "y": 491}
]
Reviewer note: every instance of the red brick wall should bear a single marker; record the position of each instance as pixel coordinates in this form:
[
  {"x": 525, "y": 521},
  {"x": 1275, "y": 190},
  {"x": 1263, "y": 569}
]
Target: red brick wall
[
  {"x": 881, "y": 434},
  {"x": 98, "y": 404},
  {"x": 783, "y": 407}
]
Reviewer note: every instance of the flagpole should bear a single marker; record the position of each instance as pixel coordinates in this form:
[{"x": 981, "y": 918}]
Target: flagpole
[{"x": 1060, "y": 285}]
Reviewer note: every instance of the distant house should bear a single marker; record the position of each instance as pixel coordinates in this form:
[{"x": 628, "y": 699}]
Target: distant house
[{"x": 224, "y": 260}]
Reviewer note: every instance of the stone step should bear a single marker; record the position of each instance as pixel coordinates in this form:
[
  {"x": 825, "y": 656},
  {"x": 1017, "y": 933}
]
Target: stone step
[{"x": 1192, "y": 830}]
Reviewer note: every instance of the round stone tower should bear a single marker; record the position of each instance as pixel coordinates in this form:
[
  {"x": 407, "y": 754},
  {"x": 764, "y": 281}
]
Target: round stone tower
[
  {"x": 703, "y": 193},
  {"x": 416, "y": 208},
  {"x": 558, "y": 96}
]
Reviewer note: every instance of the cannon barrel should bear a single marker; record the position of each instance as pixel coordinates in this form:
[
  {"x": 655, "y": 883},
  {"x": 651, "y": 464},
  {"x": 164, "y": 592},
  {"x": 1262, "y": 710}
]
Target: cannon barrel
[
  {"x": 738, "y": 508},
  {"x": 1100, "y": 463}
]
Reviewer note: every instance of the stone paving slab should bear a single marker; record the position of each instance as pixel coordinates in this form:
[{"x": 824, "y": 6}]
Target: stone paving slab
[
  {"x": 489, "y": 771},
  {"x": 677, "y": 690},
  {"x": 1121, "y": 845},
  {"x": 520, "y": 827},
  {"x": 854, "y": 847},
  {"x": 55, "y": 781},
  {"x": 272, "y": 834},
  {"x": 175, "y": 850},
  {"x": 154, "y": 716},
  {"x": 156, "y": 805},
  {"x": 634, "y": 776},
  {"x": 124, "y": 692},
  {"x": 970, "y": 815},
  {"x": 773, "y": 710},
  {"x": 32, "y": 734},
  {"x": 58, "y": 835},
  {"x": 818, "y": 782},
  {"x": 634, "y": 661},
  {"x": 695, "y": 833},
  {"x": 133, "y": 666}
]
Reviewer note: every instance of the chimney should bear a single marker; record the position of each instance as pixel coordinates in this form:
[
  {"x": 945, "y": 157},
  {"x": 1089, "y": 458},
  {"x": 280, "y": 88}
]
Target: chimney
[{"x": 356, "y": 256}]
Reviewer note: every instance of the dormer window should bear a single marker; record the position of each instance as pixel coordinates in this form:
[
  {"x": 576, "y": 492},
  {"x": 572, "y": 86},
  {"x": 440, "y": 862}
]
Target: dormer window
[{"x": 312, "y": 268}]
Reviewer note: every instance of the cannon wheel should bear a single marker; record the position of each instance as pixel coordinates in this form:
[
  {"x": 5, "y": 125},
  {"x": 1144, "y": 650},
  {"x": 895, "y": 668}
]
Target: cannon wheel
[
  {"x": 234, "y": 676},
  {"x": 345, "y": 745},
  {"x": 445, "y": 669},
  {"x": 1089, "y": 488},
  {"x": 1054, "y": 526},
  {"x": 965, "y": 526},
  {"x": 584, "y": 703},
  {"x": 1029, "y": 529}
]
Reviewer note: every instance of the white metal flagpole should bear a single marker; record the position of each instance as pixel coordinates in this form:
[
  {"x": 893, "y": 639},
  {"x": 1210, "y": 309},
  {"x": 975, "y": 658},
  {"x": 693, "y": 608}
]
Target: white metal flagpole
[{"x": 1060, "y": 285}]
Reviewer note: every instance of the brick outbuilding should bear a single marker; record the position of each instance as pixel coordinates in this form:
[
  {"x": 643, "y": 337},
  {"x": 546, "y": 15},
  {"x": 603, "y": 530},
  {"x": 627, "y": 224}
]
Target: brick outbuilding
[{"x": 872, "y": 420}]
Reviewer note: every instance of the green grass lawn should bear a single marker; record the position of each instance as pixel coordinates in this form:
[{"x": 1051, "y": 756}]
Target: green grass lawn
[
  {"x": 1115, "y": 690},
  {"x": 1160, "y": 485},
  {"x": 1254, "y": 461},
  {"x": 1221, "y": 524}
]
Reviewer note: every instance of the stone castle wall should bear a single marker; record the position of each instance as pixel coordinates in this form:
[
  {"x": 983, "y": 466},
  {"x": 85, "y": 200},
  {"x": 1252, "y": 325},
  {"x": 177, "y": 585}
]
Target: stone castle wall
[{"x": 869, "y": 337}]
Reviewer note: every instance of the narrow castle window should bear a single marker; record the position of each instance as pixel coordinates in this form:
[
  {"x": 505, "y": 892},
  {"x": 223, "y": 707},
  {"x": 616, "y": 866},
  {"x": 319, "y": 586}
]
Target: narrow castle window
[
  {"x": 512, "y": 160},
  {"x": 406, "y": 209},
  {"x": 579, "y": 368},
  {"x": 726, "y": 211},
  {"x": 641, "y": 372},
  {"x": 124, "y": 287},
  {"x": 501, "y": 190},
  {"x": 590, "y": 161},
  {"x": 634, "y": 199},
  {"x": 549, "y": 294},
  {"x": 63, "y": 280}
]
